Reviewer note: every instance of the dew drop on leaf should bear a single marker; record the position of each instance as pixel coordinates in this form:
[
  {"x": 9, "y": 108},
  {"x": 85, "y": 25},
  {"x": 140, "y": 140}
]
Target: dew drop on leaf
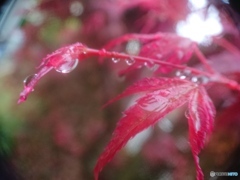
[
  {"x": 183, "y": 77},
  {"x": 130, "y": 61},
  {"x": 67, "y": 66},
  {"x": 200, "y": 79},
  {"x": 115, "y": 60},
  {"x": 186, "y": 74},
  {"x": 194, "y": 79},
  {"x": 27, "y": 81}
]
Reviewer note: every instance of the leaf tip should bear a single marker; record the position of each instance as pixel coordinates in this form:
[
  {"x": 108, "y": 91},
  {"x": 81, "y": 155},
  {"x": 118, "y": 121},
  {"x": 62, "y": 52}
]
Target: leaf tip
[{"x": 21, "y": 99}]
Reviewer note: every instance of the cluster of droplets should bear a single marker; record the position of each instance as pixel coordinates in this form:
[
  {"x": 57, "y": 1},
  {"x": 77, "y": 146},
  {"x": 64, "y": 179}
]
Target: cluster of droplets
[
  {"x": 129, "y": 61},
  {"x": 188, "y": 75}
]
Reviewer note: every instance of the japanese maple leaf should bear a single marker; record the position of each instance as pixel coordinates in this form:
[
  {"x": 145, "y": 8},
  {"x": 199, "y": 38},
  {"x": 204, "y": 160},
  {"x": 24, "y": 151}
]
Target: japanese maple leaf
[
  {"x": 161, "y": 96},
  {"x": 200, "y": 119},
  {"x": 63, "y": 60}
]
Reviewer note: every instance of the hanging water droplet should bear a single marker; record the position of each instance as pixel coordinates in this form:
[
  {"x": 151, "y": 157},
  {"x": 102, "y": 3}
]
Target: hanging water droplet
[
  {"x": 200, "y": 79},
  {"x": 27, "y": 81},
  {"x": 67, "y": 66},
  {"x": 130, "y": 61},
  {"x": 194, "y": 79},
  {"x": 115, "y": 60},
  {"x": 183, "y": 77},
  {"x": 186, "y": 74}
]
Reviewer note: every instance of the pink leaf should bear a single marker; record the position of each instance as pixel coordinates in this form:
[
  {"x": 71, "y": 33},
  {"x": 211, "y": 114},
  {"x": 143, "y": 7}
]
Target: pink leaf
[
  {"x": 62, "y": 60},
  {"x": 201, "y": 120},
  {"x": 162, "y": 97}
]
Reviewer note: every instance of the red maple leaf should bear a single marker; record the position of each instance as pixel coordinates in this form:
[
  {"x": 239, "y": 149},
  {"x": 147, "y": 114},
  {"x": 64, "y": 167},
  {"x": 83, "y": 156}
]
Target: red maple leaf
[
  {"x": 159, "y": 96},
  {"x": 162, "y": 95},
  {"x": 200, "y": 119}
]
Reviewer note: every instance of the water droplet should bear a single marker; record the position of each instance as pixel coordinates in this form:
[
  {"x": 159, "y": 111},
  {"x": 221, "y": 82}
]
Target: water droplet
[
  {"x": 183, "y": 77},
  {"x": 115, "y": 60},
  {"x": 186, "y": 74},
  {"x": 27, "y": 81},
  {"x": 194, "y": 79},
  {"x": 130, "y": 61},
  {"x": 67, "y": 66},
  {"x": 200, "y": 79}
]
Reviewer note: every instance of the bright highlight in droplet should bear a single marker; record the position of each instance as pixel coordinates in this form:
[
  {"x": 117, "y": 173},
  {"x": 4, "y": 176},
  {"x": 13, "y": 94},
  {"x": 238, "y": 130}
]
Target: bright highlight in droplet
[{"x": 199, "y": 27}]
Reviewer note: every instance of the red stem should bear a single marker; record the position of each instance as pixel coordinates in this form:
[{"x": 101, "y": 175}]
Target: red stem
[{"x": 213, "y": 76}]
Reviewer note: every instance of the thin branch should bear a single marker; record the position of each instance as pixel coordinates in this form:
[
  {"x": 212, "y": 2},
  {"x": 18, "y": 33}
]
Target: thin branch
[{"x": 213, "y": 76}]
